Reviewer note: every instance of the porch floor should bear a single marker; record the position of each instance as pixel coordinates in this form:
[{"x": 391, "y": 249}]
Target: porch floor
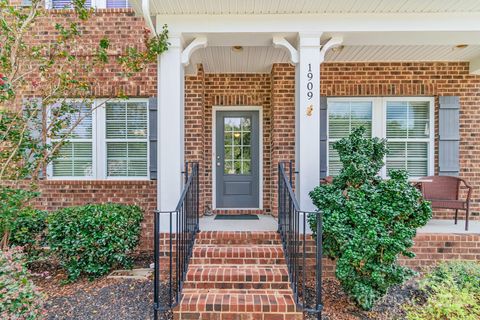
[
  {"x": 269, "y": 223},
  {"x": 266, "y": 223},
  {"x": 448, "y": 226}
]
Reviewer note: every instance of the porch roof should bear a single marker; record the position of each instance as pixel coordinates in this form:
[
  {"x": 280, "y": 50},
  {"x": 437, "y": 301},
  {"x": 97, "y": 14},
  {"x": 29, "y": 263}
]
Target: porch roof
[
  {"x": 231, "y": 7},
  {"x": 377, "y": 30}
]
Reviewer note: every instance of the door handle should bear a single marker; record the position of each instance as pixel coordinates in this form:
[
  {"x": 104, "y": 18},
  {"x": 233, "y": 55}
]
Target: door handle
[{"x": 219, "y": 164}]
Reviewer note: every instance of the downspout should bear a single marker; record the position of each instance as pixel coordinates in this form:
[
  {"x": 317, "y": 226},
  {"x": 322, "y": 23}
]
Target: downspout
[{"x": 147, "y": 16}]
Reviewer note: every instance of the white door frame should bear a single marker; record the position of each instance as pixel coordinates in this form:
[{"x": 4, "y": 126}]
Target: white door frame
[{"x": 260, "y": 156}]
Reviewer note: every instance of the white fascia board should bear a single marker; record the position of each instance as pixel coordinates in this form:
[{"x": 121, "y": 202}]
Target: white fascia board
[
  {"x": 317, "y": 23},
  {"x": 475, "y": 65}
]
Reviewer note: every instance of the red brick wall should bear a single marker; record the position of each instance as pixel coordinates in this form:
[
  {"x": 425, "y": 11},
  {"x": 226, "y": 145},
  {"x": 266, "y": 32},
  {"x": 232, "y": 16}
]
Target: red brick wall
[
  {"x": 419, "y": 79},
  {"x": 237, "y": 90},
  {"x": 194, "y": 127},
  {"x": 338, "y": 79},
  {"x": 431, "y": 249},
  {"x": 274, "y": 92},
  {"x": 283, "y": 122},
  {"x": 123, "y": 29}
]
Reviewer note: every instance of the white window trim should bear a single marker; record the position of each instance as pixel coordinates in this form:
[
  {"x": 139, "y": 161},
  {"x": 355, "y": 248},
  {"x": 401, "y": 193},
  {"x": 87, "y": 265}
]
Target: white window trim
[
  {"x": 379, "y": 125},
  {"x": 99, "y": 144}
]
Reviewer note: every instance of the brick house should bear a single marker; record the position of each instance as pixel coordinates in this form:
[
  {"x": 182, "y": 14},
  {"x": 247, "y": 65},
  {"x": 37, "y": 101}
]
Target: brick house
[{"x": 248, "y": 84}]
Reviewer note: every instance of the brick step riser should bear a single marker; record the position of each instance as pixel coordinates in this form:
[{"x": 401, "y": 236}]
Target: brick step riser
[
  {"x": 237, "y": 316},
  {"x": 232, "y": 242},
  {"x": 220, "y": 261},
  {"x": 237, "y": 278},
  {"x": 236, "y": 285}
]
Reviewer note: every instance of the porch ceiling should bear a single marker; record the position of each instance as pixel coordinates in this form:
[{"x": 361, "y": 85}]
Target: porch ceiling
[
  {"x": 170, "y": 7},
  {"x": 377, "y": 30},
  {"x": 260, "y": 59}
]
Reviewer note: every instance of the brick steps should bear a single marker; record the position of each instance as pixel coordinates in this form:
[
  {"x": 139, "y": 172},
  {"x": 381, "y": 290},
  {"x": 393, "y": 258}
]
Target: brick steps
[
  {"x": 238, "y": 238},
  {"x": 237, "y": 275},
  {"x": 238, "y": 254}
]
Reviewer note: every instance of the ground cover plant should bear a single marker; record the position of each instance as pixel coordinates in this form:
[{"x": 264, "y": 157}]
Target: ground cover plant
[
  {"x": 19, "y": 298},
  {"x": 453, "y": 291}
]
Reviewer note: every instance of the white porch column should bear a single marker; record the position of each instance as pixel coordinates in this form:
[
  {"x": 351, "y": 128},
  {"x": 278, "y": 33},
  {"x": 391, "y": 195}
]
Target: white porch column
[
  {"x": 170, "y": 127},
  {"x": 307, "y": 106}
]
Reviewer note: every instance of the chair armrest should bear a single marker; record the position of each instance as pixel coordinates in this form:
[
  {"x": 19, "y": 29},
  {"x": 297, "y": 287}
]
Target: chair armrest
[{"x": 468, "y": 187}]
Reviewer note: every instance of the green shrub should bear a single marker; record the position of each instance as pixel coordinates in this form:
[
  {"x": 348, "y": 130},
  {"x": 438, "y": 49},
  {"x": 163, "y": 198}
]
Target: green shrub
[
  {"x": 19, "y": 299},
  {"x": 368, "y": 221},
  {"x": 13, "y": 201},
  {"x": 28, "y": 231},
  {"x": 453, "y": 293},
  {"x": 93, "y": 239}
]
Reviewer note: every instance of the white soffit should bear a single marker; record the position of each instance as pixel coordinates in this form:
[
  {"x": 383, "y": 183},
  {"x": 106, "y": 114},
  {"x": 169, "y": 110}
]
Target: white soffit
[
  {"x": 404, "y": 53},
  {"x": 226, "y": 60},
  {"x": 260, "y": 59},
  {"x": 172, "y": 7}
]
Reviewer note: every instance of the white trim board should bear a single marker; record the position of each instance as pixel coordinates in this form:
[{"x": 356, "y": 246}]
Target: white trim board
[{"x": 260, "y": 156}]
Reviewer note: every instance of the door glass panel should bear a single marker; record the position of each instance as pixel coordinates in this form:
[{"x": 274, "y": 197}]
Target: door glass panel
[{"x": 237, "y": 148}]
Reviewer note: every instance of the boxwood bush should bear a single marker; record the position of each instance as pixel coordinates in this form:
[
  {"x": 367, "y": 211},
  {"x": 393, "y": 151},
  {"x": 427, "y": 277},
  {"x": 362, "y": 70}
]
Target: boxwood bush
[
  {"x": 19, "y": 299},
  {"x": 90, "y": 240},
  {"x": 368, "y": 221}
]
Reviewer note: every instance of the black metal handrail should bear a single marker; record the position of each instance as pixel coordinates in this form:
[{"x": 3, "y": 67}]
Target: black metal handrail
[
  {"x": 292, "y": 226},
  {"x": 181, "y": 240}
]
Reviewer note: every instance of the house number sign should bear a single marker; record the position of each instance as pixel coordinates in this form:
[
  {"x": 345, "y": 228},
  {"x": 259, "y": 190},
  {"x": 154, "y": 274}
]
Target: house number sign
[{"x": 310, "y": 86}]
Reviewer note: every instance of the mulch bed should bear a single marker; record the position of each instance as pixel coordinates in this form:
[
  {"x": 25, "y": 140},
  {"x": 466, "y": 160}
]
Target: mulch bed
[
  {"x": 106, "y": 299},
  {"x": 132, "y": 299},
  {"x": 338, "y": 306}
]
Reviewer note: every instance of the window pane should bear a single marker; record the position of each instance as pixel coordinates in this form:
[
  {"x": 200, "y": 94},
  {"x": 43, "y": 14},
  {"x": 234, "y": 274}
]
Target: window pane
[
  {"x": 126, "y": 120},
  {"x": 74, "y": 159},
  {"x": 118, "y": 4},
  {"x": 407, "y": 119},
  {"x": 410, "y": 156},
  {"x": 137, "y": 120},
  {"x": 343, "y": 118},
  {"x": 127, "y": 159},
  {"x": 334, "y": 164},
  {"x": 237, "y": 149},
  {"x": 67, "y": 4},
  {"x": 76, "y": 118}
]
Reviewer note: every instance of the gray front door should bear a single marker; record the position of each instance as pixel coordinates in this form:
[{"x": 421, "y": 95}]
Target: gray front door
[{"x": 237, "y": 159}]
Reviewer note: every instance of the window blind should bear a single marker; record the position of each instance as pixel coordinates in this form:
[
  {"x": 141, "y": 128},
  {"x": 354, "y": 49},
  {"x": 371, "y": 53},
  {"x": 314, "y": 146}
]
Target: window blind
[
  {"x": 75, "y": 156},
  {"x": 343, "y": 118},
  {"x": 118, "y": 4},
  {"x": 67, "y": 4},
  {"x": 408, "y": 135},
  {"x": 126, "y": 138}
]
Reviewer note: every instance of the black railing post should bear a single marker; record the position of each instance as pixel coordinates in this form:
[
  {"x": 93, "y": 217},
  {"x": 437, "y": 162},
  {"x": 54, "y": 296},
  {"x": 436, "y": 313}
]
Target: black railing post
[
  {"x": 292, "y": 226},
  {"x": 182, "y": 239},
  {"x": 319, "y": 254},
  {"x": 170, "y": 290},
  {"x": 156, "y": 274}
]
